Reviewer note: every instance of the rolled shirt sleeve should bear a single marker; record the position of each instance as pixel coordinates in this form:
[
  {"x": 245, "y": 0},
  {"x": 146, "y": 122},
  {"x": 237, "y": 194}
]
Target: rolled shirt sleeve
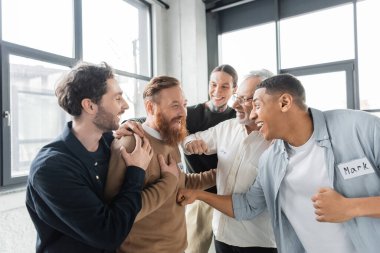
[{"x": 248, "y": 205}]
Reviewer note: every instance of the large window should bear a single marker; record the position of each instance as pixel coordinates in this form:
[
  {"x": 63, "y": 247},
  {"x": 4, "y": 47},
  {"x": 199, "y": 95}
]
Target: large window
[
  {"x": 40, "y": 40},
  {"x": 317, "y": 85},
  {"x": 369, "y": 54},
  {"x": 249, "y": 49},
  {"x": 332, "y": 46},
  {"x": 133, "y": 92},
  {"x": 36, "y": 116},
  {"x": 120, "y": 36},
  {"x": 317, "y": 37},
  {"x": 41, "y": 24}
]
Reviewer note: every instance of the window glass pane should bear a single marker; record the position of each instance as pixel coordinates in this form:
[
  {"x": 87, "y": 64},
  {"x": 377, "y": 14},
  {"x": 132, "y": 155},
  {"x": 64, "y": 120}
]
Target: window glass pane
[
  {"x": 36, "y": 116},
  {"x": 369, "y": 53},
  {"x": 249, "y": 49},
  {"x": 118, "y": 33},
  {"x": 318, "y": 37},
  {"x": 42, "y": 24},
  {"x": 325, "y": 91},
  {"x": 133, "y": 92}
]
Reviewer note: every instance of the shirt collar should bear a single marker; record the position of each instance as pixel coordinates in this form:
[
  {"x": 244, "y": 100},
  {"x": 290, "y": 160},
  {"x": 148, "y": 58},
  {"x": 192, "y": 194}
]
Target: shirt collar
[
  {"x": 77, "y": 148},
  {"x": 320, "y": 131},
  {"x": 152, "y": 132},
  {"x": 319, "y": 125}
]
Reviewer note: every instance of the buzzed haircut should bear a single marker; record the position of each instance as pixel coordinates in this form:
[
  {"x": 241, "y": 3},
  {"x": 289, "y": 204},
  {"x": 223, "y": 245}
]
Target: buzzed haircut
[
  {"x": 85, "y": 80},
  {"x": 285, "y": 83},
  {"x": 156, "y": 84},
  {"x": 228, "y": 69}
]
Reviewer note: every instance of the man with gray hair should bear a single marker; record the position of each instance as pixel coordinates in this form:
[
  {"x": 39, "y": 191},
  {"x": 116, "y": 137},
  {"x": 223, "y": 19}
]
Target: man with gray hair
[{"x": 239, "y": 146}]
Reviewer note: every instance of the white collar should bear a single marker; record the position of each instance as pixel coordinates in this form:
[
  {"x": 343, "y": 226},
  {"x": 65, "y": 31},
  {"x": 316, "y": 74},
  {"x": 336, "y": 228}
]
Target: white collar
[{"x": 152, "y": 132}]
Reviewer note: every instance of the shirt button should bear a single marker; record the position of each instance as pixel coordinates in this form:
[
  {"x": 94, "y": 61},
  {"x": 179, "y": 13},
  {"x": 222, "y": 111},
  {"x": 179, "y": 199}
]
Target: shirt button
[
  {"x": 97, "y": 177},
  {"x": 96, "y": 164}
]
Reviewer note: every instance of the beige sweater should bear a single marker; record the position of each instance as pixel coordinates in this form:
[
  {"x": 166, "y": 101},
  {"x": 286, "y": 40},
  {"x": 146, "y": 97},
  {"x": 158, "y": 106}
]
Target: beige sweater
[{"x": 160, "y": 226}]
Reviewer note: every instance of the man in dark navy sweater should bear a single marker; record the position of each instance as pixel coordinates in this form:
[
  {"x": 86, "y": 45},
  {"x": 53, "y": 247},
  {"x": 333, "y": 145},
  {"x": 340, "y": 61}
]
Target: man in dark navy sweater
[{"x": 67, "y": 177}]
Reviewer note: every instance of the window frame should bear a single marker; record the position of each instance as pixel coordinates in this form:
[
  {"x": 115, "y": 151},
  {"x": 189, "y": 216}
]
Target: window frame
[
  {"x": 347, "y": 66},
  {"x": 8, "y": 48},
  {"x": 281, "y": 9}
]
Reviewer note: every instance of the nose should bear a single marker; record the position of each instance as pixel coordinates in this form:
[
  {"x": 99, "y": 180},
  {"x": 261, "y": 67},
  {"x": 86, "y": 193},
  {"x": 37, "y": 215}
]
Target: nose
[
  {"x": 183, "y": 111},
  {"x": 253, "y": 114},
  {"x": 125, "y": 105},
  {"x": 236, "y": 104},
  {"x": 217, "y": 90}
]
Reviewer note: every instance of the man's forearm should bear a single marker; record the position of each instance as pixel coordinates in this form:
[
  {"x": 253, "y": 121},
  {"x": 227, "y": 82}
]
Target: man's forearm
[
  {"x": 368, "y": 206},
  {"x": 203, "y": 180},
  {"x": 331, "y": 206},
  {"x": 223, "y": 203}
]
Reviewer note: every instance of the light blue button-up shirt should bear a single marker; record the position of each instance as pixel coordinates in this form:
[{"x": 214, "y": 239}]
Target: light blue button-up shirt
[{"x": 347, "y": 136}]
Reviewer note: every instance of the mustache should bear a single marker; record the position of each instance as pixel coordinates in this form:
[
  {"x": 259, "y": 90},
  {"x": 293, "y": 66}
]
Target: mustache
[{"x": 179, "y": 118}]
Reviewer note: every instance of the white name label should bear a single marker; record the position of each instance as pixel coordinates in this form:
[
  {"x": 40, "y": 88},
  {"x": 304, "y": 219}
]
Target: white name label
[
  {"x": 355, "y": 168},
  {"x": 222, "y": 151}
]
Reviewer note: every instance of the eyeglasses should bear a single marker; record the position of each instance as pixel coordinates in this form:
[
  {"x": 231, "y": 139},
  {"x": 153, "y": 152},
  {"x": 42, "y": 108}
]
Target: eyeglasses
[{"x": 242, "y": 100}]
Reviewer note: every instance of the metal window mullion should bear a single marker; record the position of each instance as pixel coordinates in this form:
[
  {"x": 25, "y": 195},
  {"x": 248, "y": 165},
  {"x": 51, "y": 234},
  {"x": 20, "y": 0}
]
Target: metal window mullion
[
  {"x": 37, "y": 54},
  {"x": 78, "y": 31},
  {"x": 2, "y": 98},
  {"x": 356, "y": 66},
  {"x": 132, "y": 75},
  {"x": 278, "y": 36}
]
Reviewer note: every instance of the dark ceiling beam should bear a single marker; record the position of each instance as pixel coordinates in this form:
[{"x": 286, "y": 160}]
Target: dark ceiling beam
[{"x": 228, "y": 5}]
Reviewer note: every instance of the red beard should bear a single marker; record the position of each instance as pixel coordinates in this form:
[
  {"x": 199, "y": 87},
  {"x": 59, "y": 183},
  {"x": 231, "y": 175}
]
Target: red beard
[{"x": 169, "y": 135}]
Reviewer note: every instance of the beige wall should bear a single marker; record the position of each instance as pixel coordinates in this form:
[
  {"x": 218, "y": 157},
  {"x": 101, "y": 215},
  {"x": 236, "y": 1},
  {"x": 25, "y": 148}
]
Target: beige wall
[{"x": 181, "y": 46}]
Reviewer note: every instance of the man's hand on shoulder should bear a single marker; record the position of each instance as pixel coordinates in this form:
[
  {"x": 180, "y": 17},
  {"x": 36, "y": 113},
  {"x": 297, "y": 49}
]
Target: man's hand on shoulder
[
  {"x": 140, "y": 156},
  {"x": 129, "y": 128}
]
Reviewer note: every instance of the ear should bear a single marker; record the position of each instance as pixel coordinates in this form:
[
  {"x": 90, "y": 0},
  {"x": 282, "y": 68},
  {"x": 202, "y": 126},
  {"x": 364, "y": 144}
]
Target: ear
[
  {"x": 88, "y": 106},
  {"x": 234, "y": 89},
  {"x": 149, "y": 107},
  {"x": 286, "y": 102}
]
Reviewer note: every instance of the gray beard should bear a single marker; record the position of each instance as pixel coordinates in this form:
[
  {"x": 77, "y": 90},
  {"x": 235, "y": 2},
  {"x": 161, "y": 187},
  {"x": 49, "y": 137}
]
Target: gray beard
[{"x": 214, "y": 108}]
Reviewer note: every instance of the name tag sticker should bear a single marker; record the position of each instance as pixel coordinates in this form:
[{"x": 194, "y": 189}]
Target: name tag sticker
[
  {"x": 355, "y": 168},
  {"x": 222, "y": 151}
]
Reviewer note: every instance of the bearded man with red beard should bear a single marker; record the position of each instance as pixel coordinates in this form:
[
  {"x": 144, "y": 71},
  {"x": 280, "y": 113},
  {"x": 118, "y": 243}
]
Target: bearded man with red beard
[{"x": 160, "y": 226}]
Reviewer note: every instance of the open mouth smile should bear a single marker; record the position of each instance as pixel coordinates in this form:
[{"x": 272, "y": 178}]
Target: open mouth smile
[{"x": 259, "y": 124}]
